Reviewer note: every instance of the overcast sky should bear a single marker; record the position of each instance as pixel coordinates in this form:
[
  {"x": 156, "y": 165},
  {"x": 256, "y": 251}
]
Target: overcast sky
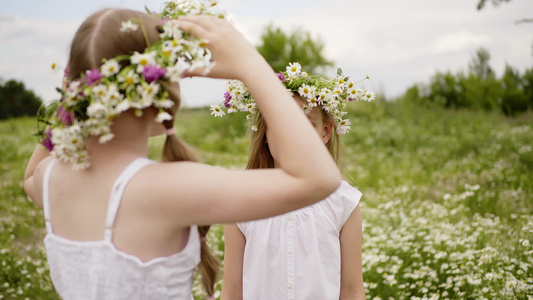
[{"x": 396, "y": 43}]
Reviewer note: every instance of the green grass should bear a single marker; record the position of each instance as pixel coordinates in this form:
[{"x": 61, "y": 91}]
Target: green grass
[{"x": 447, "y": 207}]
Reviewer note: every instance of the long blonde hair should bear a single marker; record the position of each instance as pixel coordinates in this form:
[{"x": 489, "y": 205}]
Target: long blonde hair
[
  {"x": 260, "y": 156},
  {"x": 97, "y": 39}
]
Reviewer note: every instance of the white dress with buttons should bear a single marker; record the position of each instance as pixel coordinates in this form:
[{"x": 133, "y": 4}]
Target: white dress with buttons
[{"x": 297, "y": 255}]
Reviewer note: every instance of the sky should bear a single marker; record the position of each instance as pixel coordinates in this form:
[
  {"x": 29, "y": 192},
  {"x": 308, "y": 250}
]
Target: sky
[{"x": 396, "y": 43}]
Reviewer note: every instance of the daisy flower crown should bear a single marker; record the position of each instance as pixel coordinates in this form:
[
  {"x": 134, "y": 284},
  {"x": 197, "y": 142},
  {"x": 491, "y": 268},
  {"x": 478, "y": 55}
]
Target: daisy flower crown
[
  {"x": 89, "y": 104},
  {"x": 332, "y": 95}
]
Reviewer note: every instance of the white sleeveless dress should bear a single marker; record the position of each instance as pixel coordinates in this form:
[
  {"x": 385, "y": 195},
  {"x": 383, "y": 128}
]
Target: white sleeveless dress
[
  {"x": 97, "y": 270},
  {"x": 297, "y": 256}
]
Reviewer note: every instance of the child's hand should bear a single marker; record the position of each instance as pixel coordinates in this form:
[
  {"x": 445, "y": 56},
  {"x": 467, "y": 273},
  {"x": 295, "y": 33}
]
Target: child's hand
[{"x": 233, "y": 55}]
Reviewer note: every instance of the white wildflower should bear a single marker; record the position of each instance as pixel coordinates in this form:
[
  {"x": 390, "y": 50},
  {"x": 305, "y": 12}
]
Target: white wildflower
[
  {"x": 110, "y": 67},
  {"x": 216, "y": 111},
  {"x": 128, "y": 26}
]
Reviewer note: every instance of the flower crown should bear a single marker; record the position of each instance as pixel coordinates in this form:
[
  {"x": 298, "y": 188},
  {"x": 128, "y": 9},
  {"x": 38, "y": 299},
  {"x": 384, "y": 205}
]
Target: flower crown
[
  {"x": 89, "y": 104},
  {"x": 332, "y": 95}
]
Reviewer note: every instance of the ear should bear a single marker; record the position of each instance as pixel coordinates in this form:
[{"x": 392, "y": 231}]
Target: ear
[{"x": 328, "y": 130}]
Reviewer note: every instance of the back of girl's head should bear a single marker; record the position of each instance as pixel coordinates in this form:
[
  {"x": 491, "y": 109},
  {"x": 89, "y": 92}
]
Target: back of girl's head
[
  {"x": 99, "y": 38},
  {"x": 260, "y": 156}
]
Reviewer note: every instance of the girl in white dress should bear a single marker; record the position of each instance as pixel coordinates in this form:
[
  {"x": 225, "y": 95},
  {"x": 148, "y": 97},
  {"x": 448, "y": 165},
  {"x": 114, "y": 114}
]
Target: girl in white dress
[
  {"x": 310, "y": 253},
  {"x": 121, "y": 226}
]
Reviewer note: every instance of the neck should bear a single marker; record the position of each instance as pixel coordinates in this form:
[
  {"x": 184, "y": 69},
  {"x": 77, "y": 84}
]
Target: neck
[{"x": 130, "y": 139}]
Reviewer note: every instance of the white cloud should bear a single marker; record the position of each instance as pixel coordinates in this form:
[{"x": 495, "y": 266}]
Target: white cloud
[
  {"x": 458, "y": 41},
  {"x": 397, "y": 43}
]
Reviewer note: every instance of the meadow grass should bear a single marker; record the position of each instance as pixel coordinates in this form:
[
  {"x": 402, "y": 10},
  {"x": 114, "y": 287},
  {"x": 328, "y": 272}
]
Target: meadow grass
[{"x": 447, "y": 205}]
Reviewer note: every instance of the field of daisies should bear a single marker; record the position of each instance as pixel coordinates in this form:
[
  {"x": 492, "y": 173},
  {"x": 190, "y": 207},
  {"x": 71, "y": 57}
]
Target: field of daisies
[{"x": 447, "y": 207}]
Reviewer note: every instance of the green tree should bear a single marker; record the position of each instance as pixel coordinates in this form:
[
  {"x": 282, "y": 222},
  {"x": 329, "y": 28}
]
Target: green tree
[
  {"x": 480, "y": 66},
  {"x": 280, "y": 48},
  {"x": 514, "y": 98},
  {"x": 16, "y": 100}
]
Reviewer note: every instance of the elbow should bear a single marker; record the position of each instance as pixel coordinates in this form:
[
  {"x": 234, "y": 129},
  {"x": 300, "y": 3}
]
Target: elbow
[{"x": 325, "y": 185}]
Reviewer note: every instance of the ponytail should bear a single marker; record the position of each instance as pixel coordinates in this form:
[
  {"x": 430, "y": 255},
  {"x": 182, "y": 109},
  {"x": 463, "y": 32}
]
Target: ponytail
[
  {"x": 177, "y": 150},
  {"x": 209, "y": 264}
]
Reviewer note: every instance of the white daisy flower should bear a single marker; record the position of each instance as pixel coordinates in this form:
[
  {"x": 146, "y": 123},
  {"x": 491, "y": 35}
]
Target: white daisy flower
[
  {"x": 164, "y": 103},
  {"x": 123, "y": 106},
  {"x": 113, "y": 95},
  {"x": 368, "y": 95},
  {"x": 294, "y": 69},
  {"x": 250, "y": 107},
  {"x": 110, "y": 67},
  {"x": 129, "y": 79},
  {"x": 216, "y": 111},
  {"x": 338, "y": 90},
  {"x": 171, "y": 30},
  {"x": 324, "y": 95},
  {"x": 175, "y": 72},
  {"x": 128, "y": 26},
  {"x": 100, "y": 91},
  {"x": 232, "y": 110},
  {"x": 306, "y": 108},
  {"x": 307, "y": 92},
  {"x": 343, "y": 126},
  {"x": 340, "y": 79},
  {"x": 148, "y": 92},
  {"x": 97, "y": 110},
  {"x": 254, "y": 128},
  {"x": 142, "y": 60},
  {"x": 355, "y": 93},
  {"x": 163, "y": 116},
  {"x": 106, "y": 138},
  {"x": 313, "y": 102}
]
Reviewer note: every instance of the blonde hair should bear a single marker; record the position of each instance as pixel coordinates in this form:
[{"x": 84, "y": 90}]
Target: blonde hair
[
  {"x": 99, "y": 38},
  {"x": 260, "y": 156}
]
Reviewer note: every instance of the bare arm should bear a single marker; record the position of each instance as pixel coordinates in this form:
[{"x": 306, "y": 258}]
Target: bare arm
[
  {"x": 239, "y": 195},
  {"x": 351, "y": 258},
  {"x": 233, "y": 263},
  {"x": 38, "y": 155}
]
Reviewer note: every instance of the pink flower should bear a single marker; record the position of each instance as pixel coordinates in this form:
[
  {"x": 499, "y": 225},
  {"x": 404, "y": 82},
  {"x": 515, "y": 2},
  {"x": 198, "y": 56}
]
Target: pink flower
[
  {"x": 92, "y": 76},
  {"x": 152, "y": 73},
  {"x": 64, "y": 116},
  {"x": 281, "y": 77},
  {"x": 47, "y": 140},
  {"x": 227, "y": 95}
]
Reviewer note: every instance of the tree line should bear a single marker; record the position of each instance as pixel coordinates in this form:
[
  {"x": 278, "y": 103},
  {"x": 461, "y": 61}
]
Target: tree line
[
  {"x": 16, "y": 100},
  {"x": 479, "y": 88}
]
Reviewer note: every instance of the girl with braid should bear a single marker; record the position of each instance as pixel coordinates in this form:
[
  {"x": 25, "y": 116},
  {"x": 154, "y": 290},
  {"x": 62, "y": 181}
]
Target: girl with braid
[{"x": 122, "y": 226}]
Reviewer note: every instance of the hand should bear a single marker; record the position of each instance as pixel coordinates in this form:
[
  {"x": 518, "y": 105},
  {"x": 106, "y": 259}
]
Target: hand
[{"x": 233, "y": 55}]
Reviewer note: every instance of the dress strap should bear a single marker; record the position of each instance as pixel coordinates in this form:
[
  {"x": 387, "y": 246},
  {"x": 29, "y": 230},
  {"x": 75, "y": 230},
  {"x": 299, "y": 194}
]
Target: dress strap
[
  {"x": 46, "y": 196},
  {"x": 118, "y": 190}
]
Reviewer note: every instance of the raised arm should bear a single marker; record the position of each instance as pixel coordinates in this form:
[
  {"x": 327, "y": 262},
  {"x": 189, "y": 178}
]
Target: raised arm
[{"x": 308, "y": 173}]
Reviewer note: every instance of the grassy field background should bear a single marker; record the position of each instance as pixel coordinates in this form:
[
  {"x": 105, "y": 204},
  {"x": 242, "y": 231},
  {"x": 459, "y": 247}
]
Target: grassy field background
[{"x": 447, "y": 207}]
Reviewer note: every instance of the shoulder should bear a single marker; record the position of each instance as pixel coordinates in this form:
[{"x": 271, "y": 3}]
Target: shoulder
[
  {"x": 347, "y": 195},
  {"x": 37, "y": 178},
  {"x": 341, "y": 203}
]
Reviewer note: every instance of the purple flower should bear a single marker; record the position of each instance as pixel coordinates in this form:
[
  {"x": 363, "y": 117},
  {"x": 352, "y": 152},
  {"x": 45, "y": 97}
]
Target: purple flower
[
  {"x": 152, "y": 73},
  {"x": 281, "y": 77},
  {"x": 47, "y": 140},
  {"x": 64, "y": 116},
  {"x": 227, "y": 95},
  {"x": 92, "y": 76}
]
